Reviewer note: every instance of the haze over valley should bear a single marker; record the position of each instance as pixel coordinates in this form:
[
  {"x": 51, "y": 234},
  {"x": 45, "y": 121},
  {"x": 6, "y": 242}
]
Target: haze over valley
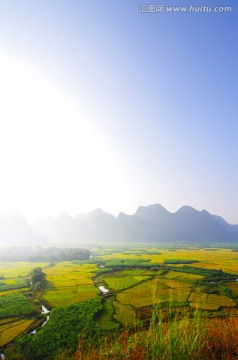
[{"x": 149, "y": 224}]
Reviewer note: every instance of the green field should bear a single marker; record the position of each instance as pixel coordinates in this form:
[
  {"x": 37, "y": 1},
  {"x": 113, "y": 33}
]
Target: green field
[
  {"x": 125, "y": 279},
  {"x": 210, "y": 301},
  {"x": 125, "y": 314},
  {"x": 106, "y": 316},
  {"x": 15, "y": 305}
]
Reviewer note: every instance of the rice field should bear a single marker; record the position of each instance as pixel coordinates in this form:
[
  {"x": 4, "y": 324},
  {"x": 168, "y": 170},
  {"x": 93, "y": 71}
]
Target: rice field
[
  {"x": 153, "y": 292},
  {"x": 210, "y": 301},
  {"x": 217, "y": 259},
  {"x": 125, "y": 314},
  {"x": 13, "y": 270},
  {"x": 125, "y": 279},
  {"x": 171, "y": 288},
  {"x": 233, "y": 287},
  {"x": 68, "y": 283},
  {"x": 182, "y": 277},
  {"x": 10, "y": 331}
]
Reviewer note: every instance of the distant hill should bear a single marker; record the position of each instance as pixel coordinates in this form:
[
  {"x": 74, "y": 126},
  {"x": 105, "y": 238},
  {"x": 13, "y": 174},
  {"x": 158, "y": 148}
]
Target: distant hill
[
  {"x": 190, "y": 225},
  {"x": 14, "y": 230},
  {"x": 149, "y": 224}
]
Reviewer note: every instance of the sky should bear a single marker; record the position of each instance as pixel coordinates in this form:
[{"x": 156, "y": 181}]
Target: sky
[{"x": 107, "y": 105}]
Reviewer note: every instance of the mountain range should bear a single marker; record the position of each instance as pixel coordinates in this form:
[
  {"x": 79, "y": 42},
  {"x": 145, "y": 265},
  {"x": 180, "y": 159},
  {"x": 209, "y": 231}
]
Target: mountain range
[{"x": 152, "y": 224}]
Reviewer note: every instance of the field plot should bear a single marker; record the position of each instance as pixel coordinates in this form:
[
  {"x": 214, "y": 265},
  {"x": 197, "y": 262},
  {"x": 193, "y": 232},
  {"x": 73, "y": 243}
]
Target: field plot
[
  {"x": 11, "y": 284},
  {"x": 155, "y": 291},
  {"x": 68, "y": 283},
  {"x": 125, "y": 314},
  {"x": 106, "y": 316},
  {"x": 125, "y": 279},
  {"x": 204, "y": 301},
  {"x": 14, "y": 291},
  {"x": 214, "y": 259},
  {"x": 13, "y": 270},
  {"x": 9, "y": 331},
  {"x": 233, "y": 287},
  {"x": 184, "y": 277}
]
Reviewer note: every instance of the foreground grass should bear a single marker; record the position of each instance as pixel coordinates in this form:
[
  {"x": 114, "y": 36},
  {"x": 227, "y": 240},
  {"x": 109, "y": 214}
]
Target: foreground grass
[{"x": 196, "y": 339}]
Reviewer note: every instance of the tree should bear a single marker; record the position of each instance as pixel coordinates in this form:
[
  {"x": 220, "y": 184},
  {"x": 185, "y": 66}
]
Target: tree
[{"x": 37, "y": 278}]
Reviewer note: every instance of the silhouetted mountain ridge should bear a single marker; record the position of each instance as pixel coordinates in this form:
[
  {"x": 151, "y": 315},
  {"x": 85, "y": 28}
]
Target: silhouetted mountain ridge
[{"x": 151, "y": 223}]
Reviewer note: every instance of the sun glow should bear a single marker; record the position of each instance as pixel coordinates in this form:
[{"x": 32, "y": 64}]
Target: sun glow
[{"x": 52, "y": 157}]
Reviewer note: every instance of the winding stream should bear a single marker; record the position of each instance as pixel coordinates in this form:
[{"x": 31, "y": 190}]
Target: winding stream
[
  {"x": 44, "y": 310},
  {"x": 47, "y": 319}
]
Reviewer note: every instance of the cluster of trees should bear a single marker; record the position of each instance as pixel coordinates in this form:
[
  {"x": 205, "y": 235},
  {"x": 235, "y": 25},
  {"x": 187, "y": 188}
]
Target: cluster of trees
[
  {"x": 177, "y": 262},
  {"x": 15, "y": 305},
  {"x": 47, "y": 254},
  {"x": 58, "y": 254},
  {"x": 37, "y": 278}
]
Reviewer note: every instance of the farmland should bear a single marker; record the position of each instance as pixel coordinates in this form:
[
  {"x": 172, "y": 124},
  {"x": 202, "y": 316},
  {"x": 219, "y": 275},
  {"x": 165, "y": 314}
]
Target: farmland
[
  {"x": 9, "y": 331},
  {"x": 152, "y": 292},
  {"x": 210, "y": 301},
  {"x": 139, "y": 280},
  {"x": 209, "y": 258},
  {"x": 68, "y": 283}
]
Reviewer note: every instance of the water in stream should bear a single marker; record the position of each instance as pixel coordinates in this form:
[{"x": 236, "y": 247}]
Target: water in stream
[{"x": 43, "y": 311}]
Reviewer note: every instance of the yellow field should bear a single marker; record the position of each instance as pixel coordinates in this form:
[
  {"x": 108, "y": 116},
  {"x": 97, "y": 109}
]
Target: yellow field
[
  {"x": 203, "y": 301},
  {"x": 68, "y": 283},
  {"x": 64, "y": 298},
  {"x": 8, "y": 332},
  {"x": 123, "y": 282},
  {"x": 8, "y": 292},
  {"x": 153, "y": 292},
  {"x": 217, "y": 259},
  {"x": 179, "y": 276},
  {"x": 11, "y": 270},
  {"x": 233, "y": 287},
  {"x": 8, "y": 320}
]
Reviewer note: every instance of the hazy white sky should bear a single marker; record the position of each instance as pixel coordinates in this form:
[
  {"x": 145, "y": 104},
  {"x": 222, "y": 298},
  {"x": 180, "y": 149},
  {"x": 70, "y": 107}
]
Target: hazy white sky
[
  {"x": 52, "y": 156},
  {"x": 103, "y": 106}
]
